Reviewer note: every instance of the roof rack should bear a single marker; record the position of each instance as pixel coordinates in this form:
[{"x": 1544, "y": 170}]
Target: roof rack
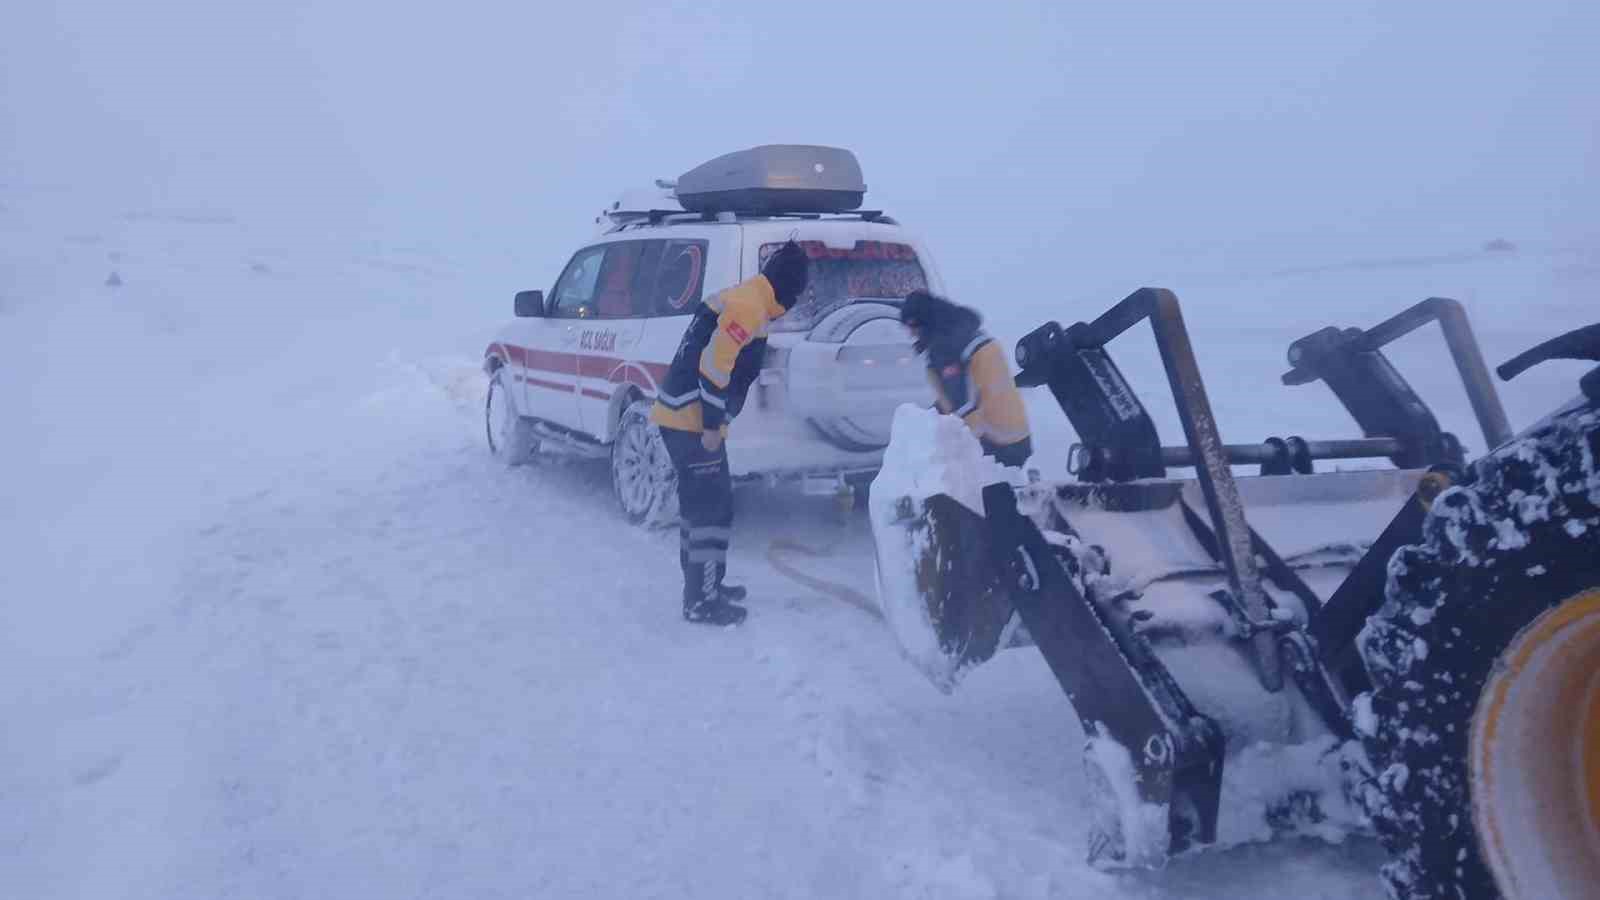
[
  {"x": 657, "y": 217},
  {"x": 773, "y": 181}
]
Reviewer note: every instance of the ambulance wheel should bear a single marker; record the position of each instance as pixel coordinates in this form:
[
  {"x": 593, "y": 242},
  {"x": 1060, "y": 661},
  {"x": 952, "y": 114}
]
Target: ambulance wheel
[
  {"x": 642, "y": 477},
  {"x": 511, "y": 437},
  {"x": 1483, "y": 728}
]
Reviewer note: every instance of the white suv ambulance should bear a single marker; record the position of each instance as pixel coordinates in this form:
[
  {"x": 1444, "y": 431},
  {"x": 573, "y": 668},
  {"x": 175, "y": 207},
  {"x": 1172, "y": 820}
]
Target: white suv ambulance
[{"x": 577, "y": 368}]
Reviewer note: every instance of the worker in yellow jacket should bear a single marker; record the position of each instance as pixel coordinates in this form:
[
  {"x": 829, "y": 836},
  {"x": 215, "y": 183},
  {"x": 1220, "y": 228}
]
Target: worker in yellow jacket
[
  {"x": 717, "y": 361},
  {"x": 971, "y": 377}
]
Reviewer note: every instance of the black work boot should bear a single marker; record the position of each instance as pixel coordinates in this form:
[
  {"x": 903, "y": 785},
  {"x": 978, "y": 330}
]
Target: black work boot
[
  {"x": 703, "y": 600},
  {"x": 714, "y": 612}
]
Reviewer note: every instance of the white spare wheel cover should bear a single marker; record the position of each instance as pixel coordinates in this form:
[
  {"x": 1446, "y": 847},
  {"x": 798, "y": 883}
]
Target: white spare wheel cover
[{"x": 869, "y": 372}]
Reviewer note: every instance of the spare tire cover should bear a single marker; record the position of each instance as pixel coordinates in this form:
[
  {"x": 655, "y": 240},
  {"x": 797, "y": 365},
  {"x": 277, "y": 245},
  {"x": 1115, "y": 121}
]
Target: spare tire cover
[{"x": 876, "y": 367}]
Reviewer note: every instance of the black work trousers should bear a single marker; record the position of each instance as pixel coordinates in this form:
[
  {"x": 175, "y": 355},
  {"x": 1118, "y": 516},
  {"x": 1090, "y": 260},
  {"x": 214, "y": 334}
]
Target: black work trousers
[{"x": 705, "y": 505}]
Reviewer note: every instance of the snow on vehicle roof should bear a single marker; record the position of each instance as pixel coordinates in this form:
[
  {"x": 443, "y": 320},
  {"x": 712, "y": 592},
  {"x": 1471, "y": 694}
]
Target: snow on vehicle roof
[{"x": 634, "y": 204}]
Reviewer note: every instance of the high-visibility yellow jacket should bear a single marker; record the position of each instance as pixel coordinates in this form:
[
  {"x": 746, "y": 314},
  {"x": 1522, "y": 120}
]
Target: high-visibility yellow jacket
[
  {"x": 718, "y": 359},
  {"x": 973, "y": 380}
]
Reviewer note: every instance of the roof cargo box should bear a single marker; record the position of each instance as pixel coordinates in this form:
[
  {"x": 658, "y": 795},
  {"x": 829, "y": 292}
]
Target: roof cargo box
[{"x": 776, "y": 178}]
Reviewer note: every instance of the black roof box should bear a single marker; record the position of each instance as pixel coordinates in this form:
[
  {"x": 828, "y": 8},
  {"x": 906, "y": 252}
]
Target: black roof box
[{"x": 775, "y": 178}]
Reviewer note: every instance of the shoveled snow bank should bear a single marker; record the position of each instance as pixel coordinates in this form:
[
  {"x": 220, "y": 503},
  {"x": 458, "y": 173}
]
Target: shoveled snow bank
[{"x": 928, "y": 454}]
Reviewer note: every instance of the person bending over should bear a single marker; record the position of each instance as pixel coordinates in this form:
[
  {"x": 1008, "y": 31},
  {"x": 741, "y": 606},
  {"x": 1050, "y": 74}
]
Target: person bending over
[
  {"x": 971, "y": 377},
  {"x": 717, "y": 361}
]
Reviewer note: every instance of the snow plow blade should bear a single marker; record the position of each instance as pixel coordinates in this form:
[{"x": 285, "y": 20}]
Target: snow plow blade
[
  {"x": 953, "y": 582},
  {"x": 956, "y": 614},
  {"x": 1184, "y": 748},
  {"x": 1203, "y": 628},
  {"x": 1373, "y": 650},
  {"x": 1155, "y": 761}
]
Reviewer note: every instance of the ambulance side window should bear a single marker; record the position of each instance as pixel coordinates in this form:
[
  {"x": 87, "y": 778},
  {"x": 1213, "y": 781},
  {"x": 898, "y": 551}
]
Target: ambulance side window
[
  {"x": 573, "y": 296},
  {"x": 615, "y": 294},
  {"x": 679, "y": 278},
  {"x": 644, "y": 280}
]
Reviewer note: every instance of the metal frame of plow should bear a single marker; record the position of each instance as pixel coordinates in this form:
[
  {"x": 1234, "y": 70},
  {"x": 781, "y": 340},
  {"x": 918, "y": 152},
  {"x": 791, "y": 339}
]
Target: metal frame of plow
[
  {"x": 1464, "y": 352},
  {"x": 1228, "y": 523},
  {"x": 1117, "y": 686}
]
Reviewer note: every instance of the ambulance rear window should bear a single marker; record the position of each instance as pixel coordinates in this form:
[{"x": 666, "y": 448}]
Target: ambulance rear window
[{"x": 870, "y": 270}]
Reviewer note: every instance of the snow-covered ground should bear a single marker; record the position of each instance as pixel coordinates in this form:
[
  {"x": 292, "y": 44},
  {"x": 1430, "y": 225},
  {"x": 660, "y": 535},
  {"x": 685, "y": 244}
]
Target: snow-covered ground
[{"x": 272, "y": 624}]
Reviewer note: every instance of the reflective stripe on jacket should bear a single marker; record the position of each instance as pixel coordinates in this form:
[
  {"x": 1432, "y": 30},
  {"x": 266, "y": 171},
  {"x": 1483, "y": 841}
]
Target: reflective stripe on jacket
[
  {"x": 718, "y": 359},
  {"x": 975, "y": 384}
]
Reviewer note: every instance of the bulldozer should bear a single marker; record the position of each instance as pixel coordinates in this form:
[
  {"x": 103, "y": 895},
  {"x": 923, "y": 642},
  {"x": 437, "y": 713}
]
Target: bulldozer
[{"x": 1406, "y": 645}]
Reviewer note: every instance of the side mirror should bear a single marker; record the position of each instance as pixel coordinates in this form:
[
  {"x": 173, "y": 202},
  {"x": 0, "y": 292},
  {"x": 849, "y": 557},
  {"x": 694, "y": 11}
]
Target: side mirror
[{"x": 530, "y": 304}]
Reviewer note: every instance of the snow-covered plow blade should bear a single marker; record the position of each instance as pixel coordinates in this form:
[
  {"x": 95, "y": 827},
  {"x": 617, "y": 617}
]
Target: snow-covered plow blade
[
  {"x": 1239, "y": 649},
  {"x": 938, "y": 588},
  {"x": 1114, "y": 585},
  {"x": 948, "y": 608}
]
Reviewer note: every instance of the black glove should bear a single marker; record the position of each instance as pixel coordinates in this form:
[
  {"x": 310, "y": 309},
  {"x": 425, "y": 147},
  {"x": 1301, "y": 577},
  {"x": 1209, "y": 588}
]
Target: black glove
[{"x": 789, "y": 270}]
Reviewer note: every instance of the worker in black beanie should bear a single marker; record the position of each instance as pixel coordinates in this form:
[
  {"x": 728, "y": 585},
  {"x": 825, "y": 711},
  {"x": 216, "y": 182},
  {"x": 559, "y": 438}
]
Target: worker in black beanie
[{"x": 716, "y": 363}]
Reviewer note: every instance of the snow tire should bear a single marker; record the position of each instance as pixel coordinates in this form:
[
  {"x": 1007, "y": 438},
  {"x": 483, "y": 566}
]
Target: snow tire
[
  {"x": 642, "y": 478},
  {"x": 1519, "y": 536},
  {"x": 511, "y": 436}
]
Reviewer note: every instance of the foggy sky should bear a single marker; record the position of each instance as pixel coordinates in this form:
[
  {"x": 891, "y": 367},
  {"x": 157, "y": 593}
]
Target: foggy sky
[{"x": 1099, "y": 136}]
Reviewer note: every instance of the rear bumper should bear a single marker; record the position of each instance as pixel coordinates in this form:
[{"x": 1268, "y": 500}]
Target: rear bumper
[
  {"x": 763, "y": 444},
  {"x": 818, "y": 480}
]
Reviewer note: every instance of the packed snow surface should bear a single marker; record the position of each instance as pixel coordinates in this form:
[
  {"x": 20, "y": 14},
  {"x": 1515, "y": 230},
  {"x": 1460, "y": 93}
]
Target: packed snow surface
[{"x": 272, "y": 624}]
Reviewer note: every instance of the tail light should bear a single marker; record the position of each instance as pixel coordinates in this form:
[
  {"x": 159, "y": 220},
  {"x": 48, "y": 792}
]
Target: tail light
[{"x": 878, "y": 355}]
